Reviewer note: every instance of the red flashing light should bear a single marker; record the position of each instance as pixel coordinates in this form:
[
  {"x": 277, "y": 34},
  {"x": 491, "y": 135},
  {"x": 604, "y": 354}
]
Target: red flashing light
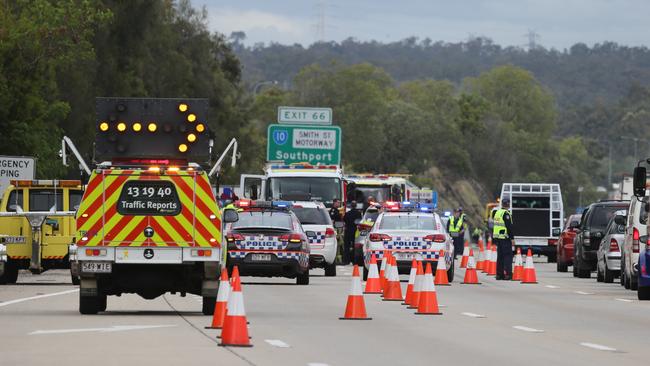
[
  {"x": 127, "y": 161},
  {"x": 243, "y": 203},
  {"x": 436, "y": 238},
  {"x": 379, "y": 237}
]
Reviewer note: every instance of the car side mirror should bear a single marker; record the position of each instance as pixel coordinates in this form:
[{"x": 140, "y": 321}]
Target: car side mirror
[
  {"x": 619, "y": 220},
  {"x": 339, "y": 224},
  {"x": 310, "y": 234},
  {"x": 574, "y": 225},
  {"x": 230, "y": 215},
  {"x": 639, "y": 181}
]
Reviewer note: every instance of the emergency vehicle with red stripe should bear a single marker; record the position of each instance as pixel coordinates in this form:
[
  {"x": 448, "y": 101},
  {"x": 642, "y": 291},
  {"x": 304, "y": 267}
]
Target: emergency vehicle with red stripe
[{"x": 148, "y": 222}]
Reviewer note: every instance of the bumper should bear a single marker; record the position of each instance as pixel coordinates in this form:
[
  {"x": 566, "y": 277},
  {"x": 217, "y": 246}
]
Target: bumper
[
  {"x": 281, "y": 264},
  {"x": 567, "y": 253},
  {"x": 538, "y": 249},
  {"x": 325, "y": 254},
  {"x": 404, "y": 265},
  {"x": 590, "y": 258},
  {"x": 613, "y": 262}
]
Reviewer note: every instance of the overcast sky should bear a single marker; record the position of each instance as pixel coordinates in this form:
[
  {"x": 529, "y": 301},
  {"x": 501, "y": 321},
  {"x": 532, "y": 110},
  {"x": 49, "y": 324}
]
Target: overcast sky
[{"x": 559, "y": 23}]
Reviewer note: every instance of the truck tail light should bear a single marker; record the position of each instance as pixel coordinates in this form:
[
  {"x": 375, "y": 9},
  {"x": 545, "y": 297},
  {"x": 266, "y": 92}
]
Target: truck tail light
[
  {"x": 330, "y": 233},
  {"x": 201, "y": 253},
  {"x": 613, "y": 246},
  {"x": 95, "y": 252},
  {"x": 436, "y": 238},
  {"x": 635, "y": 240},
  {"x": 379, "y": 237}
]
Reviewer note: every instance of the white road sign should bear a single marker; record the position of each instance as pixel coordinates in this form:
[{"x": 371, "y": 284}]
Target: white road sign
[
  {"x": 15, "y": 167},
  {"x": 304, "y": 116}
]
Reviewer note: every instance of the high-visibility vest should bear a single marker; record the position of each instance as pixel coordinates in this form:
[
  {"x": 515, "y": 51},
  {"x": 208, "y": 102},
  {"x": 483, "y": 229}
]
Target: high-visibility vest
[
  {"x": 455, "y": 226},
  {"x": 499, "y": 230}
]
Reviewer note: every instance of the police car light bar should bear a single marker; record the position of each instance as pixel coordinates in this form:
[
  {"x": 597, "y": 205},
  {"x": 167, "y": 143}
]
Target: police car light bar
[
  {"x": 303, "y": 166},
  {"x": 263, "y": 204}
]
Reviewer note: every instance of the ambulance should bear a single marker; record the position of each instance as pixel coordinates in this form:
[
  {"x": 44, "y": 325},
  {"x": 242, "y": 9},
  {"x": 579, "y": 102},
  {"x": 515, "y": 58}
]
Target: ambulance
[
  {"x": 388, "y": 187},
  {"x": 37, "y": 225},
  {"x": 148, "y": 222}
]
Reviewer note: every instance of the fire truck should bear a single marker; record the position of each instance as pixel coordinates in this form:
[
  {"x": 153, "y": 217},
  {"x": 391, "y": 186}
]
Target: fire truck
[
  {"x": 388, "y": 187},
  {"x": 148, "y": 222},
  {"x": 36, "y": 226}
]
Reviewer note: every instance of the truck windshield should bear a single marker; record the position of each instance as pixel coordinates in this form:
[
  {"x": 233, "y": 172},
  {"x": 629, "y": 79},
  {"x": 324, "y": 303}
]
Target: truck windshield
[
  {"x": 379, "y": 193},
  {"x": 299, "y": 188}
]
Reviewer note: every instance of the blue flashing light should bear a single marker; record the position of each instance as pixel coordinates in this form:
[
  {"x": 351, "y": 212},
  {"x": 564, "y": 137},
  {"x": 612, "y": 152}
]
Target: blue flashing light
[
  {"x": 407, "y": 205},
  {"x": 426, "y": 207},
  {"x": 282, "y": 204},
  {"x": 447, "y": 213}
]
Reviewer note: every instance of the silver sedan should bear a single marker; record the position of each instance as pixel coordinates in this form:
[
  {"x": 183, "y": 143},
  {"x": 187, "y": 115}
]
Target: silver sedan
[{"x": 609, "y": 251}]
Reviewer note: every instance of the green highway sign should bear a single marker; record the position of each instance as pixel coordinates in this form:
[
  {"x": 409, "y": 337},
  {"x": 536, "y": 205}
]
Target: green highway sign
[
  {"x": 310, "y": 144},
  {"x": 305, "y": 116}
]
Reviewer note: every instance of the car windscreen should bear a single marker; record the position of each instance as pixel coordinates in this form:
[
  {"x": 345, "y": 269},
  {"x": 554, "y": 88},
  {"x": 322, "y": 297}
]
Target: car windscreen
[
  {"x": 378, "y": 193},
  {"x": 275, "y": 220},
  {"x": 313, "y": 188},
  {"x": 407, "y": 222},
  {"x": 45, "y": 199},
  {"x": 601, "y": 215},
  {"x": 312, "y": 215}
]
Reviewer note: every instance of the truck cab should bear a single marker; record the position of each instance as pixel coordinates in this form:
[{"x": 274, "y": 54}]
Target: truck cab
[{"x": 37, "y": 225}]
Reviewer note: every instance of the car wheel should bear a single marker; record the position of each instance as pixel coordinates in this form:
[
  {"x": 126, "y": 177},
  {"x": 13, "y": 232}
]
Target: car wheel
[
  {"x": 599, "y": 275},
  {"x": 365, "y": 273},
  {"x": 330, "y": 270},
  {"x": 643, "y": 292},
  {"x": 575, "y": 268},
  {"x": 634, "y": 283},
  {"x": 303, "y": 278},
  {"x": 561, "y": 266},
  {"x": 609, "y": 275},
  {"x": 450, "y": 272},
  {"x": 622, "y": 281},
  {"x": 627, "y": 282}
]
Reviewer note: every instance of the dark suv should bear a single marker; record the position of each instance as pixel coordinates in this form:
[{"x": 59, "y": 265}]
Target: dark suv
[{"x": 592, "y": 225}]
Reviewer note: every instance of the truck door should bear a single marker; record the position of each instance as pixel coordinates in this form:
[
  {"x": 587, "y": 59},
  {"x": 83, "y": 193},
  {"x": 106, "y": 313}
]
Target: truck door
[{"x": 253, "y": 186}]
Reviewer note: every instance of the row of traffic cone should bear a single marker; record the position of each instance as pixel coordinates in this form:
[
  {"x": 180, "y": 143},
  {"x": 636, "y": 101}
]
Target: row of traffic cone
[
  {"x": 229, "y": 313},
  {"x": 487, "y": 263}
]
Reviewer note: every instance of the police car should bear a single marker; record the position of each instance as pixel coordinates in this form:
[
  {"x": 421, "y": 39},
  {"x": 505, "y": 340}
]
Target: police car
[
  {"x": 268, "y": 241},
  {"x": 316, "y": 221},
  {"x": 409, "y": 231}
]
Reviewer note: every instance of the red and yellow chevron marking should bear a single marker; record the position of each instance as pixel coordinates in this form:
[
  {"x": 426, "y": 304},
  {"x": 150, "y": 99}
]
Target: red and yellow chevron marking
[
  {"x": 99, "y": 221},
  {"x": 18, "y": 256},
  {"x": 54, "y": 257}
]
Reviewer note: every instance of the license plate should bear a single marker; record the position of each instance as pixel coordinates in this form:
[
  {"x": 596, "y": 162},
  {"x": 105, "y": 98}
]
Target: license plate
[
  {"x": 13, "y": 240},
  {"x": 261, "y": 257},
  {"x": 96, "y": 267},
  {"x": 406, "y": 256}
]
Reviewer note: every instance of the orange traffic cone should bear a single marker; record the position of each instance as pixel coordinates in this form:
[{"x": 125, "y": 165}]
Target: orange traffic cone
[
  {"x": 470, "y": 273},
  {"x": 463, "y": 260},
  {"x": 493, "y": 262},
  {"x": 393, "y": 290},
  {"x": 355, "y": 309},
  {"x": 529, "y": 269},
  {"x": 409, "y": 288},
  {"x": 417, "y": 287},
  {"x": 441, "y": 271},
  {"x": 373, "y": 283},
  {"x": 234, "y": 275},
  {"x": 235, "y": 330},
  {"x": 481, "y": 256},
  {"x": 518, "y": 271},
  {"x": 221, "y": 307},
  {"x": 385, "y": 263},
  {"x": 486, "y": 259},
  {"x": 428, "y": 302}
]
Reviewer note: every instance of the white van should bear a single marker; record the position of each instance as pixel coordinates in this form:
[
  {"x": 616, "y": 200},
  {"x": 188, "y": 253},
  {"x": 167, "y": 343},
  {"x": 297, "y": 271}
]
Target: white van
[{"x": 636, "y": 232}]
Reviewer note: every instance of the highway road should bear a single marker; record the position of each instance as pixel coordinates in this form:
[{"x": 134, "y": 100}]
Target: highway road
[{"x": 561, "y": 320}]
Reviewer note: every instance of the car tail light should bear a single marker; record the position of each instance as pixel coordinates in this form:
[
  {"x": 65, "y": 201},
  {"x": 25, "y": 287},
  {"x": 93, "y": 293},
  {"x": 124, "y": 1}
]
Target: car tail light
[
  {"x": 647, "y": 245},
  {"x": 364, "y": 227},
  {"x": 234, "y": 237},
  {"x": 330, "y": 233},
  {"x": 436, "y": 238},
  {"x": 635, "y": 240},
  {"x": 613, "y": 246},
  {"x": 291, "y": 238},
  {"x": 379, "y": 237}
]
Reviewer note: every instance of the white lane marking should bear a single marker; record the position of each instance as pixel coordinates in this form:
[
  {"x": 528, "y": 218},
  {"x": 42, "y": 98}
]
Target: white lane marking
[
  {"x": 552, "y": 286},
  {"x": 317, "y": 364},
  {"x": 472, "y": 315},
  {"x": 599, "y": 347},
  {"x": 115, "y": 328},
  {"x": 527, "y": 329},
  {"x": 583, "y": 293},
  {"x": 624, "y": 300},
  {"x": 5, "y": 303},
  {"x": 276, "y": 343}
]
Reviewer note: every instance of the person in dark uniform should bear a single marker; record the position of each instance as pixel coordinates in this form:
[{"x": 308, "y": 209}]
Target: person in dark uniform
[
  {"x": 351, "y": 218},
  {"x": 504, "y": 240},
  {"x": 456, "y": 228},
  {"x": 335, "y": 214}
]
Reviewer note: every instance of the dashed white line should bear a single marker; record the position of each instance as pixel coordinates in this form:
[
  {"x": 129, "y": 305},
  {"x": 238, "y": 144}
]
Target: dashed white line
[
  {"x": 37, "y": 297},
  {"x": 552, "y": 286},
  {"x": 624, "y": 300},
  {"x": 472, "y": 315},
  {"x": 599, "y": 347},
  {"x": 527, "y": 329},
  {"x": 583, "y": 293},
  {"x": 317, "y": 364},
  {"x": 276, "y": 343}
]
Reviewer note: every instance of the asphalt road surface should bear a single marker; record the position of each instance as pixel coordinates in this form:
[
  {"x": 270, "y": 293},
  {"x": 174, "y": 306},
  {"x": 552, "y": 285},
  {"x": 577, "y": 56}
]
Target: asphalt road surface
[{"x": 561, "y": 320}]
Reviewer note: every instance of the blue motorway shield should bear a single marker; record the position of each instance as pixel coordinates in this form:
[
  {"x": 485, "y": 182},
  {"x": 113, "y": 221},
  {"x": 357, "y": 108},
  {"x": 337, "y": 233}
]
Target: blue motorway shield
[{"x": 280, "y": 137}]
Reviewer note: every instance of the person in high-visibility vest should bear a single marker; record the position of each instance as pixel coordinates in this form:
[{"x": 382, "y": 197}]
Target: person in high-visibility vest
[
  {"x": 456, "y": 228},
  {"x": 504, "y": 240}
]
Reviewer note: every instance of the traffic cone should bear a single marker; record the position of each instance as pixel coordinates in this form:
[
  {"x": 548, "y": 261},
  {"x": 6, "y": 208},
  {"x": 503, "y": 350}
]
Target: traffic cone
[
  {"x": 221, "y": 307},
  {"x": 487, "y": 259},
  {"x": 529, "y": 269},
  {"x": 393, "y": 290},
  {"x": 385, "y": 264},
  {"x": 373, "y": 283},
  {"x": 235, "y": 330},
  {"x": 234, "y": 275},
  {"x": 481, "y": 255},
  {"x": 417, "y": 287},
  {"x": 470, "y": 273},
  {"x": 428, "y": 302},
  {"x": 463, "y": 260},
  {"x": 441, "y": 271},
  {"x": 493, "y": 262},
  {"x": 518, "y": 271},
  {"x": 355, "y": 308},
  {"x": 409, "y": 288}
]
